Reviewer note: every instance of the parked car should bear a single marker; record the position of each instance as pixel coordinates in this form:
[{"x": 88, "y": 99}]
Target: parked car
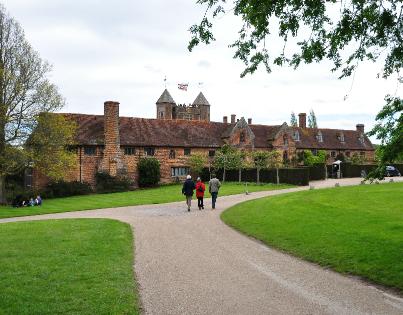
[{"x": 392, "y": 171}]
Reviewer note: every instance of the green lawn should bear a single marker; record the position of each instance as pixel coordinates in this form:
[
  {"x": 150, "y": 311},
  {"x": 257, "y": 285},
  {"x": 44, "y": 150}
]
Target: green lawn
[
  {"x": 356, "y": 230},
  {"x": 163, "y": 194},
  {"x": 67, "y": 267}
]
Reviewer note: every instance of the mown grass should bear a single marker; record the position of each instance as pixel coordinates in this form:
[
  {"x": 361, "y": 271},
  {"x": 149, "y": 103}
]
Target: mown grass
[
  {"x": 163, "y": 194},
  {"x": 78, "y": 266},
  {"x": 355, "y": 230}
]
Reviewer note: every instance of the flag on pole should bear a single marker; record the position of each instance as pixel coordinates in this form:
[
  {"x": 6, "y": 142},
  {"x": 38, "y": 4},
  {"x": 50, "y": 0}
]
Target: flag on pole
[{"x": 183, "y": 86}]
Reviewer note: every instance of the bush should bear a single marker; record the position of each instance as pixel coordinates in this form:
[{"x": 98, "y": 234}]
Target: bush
[
  {"x": 108, "y": 184},
  {"x": 149, "y": 172},
  {"x": 65, "y": 189}
]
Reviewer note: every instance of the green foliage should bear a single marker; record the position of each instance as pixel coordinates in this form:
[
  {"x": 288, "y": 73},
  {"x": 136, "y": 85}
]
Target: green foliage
[
  {"x": 274, "y": 159},
  {"x": 109, "y": 184},
  {"x": 149, "y": 172},
  {"x": 260, "y": 159},
  {"x": 362, "y": 30},
  {"x": 47, "y": 146},
  {"x": 311, "y": 159},
  {"x": 312, "y": 123},
  {"x": 196, "y": 162},
  {"x": 228, "y": 158},
  {"x": 78, "y": 266},
  {"x": 293, "y": 120},
  {"x": 355, "y": 230},
  {"x": 357, "y": 159},
  {"x": 389, "y": 129},
  {"x": 65, "y": 189}
]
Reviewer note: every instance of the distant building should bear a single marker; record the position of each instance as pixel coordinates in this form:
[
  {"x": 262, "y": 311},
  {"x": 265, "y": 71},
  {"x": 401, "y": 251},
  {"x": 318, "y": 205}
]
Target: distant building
[{"x": 115, "y": 144}]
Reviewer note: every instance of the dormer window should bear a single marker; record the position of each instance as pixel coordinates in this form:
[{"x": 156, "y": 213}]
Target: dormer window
[
  {"x": 340, "y": 137},
  {"x": 319, "y": 137},
  {"x": 285, "y": 139},
  {"x": 361, "y": 139},
  {"x": 242, "y": 137},
  {"x": 296, "y": 135}
]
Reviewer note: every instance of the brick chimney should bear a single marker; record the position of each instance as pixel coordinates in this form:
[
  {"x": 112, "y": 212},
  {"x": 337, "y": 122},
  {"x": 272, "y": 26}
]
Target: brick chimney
[
  {"x": 302, "y": 120},
  {"x": 360, "y": 128},
  {"x": 225, "y": 120},
  {"x": 233, "y": 116},
  {"x": 249, "y": 121},
  {"x": 112, "y": 162}
]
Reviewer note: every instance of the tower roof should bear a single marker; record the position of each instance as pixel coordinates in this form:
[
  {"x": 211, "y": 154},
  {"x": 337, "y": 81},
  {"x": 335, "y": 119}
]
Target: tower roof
[
  {"x": 166, "y": 98},
  {"x": 201, "y": 100}
]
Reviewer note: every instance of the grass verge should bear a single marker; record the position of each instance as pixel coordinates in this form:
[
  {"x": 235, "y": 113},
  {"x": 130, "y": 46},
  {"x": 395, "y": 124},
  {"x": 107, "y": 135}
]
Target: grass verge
[
  {"x": 355, "y": 230},
  {"x": 78, "y": 266},
  {"x": 163, "y": 194}
]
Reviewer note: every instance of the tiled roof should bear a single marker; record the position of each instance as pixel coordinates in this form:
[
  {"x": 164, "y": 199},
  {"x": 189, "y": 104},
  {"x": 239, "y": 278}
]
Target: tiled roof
[
  {"x": 331, "y": 141},
  {"x": 166, "y": 98},
  {"x": 201, "y": 100}
]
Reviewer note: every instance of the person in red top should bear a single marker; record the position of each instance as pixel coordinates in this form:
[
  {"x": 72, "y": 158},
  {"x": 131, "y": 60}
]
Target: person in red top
[{"x": 200, "y": 188}]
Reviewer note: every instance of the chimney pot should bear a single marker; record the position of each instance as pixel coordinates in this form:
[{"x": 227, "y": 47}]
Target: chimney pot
[
  {"x": 360, "y": 128},
  {"x": 225, "y": 120},
  {"x": 233, "y": 116},
  {"x": 302, "y": 120},
  {"x": 249, "y": 121}
]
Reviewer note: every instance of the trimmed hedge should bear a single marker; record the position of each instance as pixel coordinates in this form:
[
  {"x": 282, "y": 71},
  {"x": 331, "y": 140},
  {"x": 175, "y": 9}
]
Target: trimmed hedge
[
  {"x": 108, "y": 184},
  {"x": 149, "y": 172},
  {"x": 294, "y": 176},
  {"x": 317, "y": 171},
  {"x": 65, "y": 189}
]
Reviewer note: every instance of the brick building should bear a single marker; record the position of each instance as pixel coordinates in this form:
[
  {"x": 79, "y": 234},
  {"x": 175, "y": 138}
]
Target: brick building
[{"x": 115, "y": 144}]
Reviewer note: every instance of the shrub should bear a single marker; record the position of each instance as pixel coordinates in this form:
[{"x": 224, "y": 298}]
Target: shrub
[
  {"x": 65, "y": 189},
  {"x": 149, "y": 172},
  {"x": 107, "y": 183}
]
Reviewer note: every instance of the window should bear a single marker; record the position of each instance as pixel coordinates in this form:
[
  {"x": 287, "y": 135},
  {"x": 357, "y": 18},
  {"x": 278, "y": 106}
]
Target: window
[
  {"x": 161, "y": 115},
  {"x": 172, "y": 154},
  {"x": 333, "y": 154},
  {"x": 361, "y": 139},
  {"x": 89, "y": 150},
  {"x": 348, "y": 153},
  {"x": 319, "y": 137},
  {"x": 362, "y": 153},
  {"x": 179, "y": 171},
  {"x": 296, "y": 135},
  {"x": 149, "y": 151},
  {"x": 242, "y": 137},
  {"x": 285, "y": 139},
  {"x": 285, "y": 156},
  {"x": 314, "y": 152},
  {"x": 186, "y": 151},
  {"x": 211, "y": 153},
  {"x": 341, "y": 137},
  {"x": 130, "y": 151}
]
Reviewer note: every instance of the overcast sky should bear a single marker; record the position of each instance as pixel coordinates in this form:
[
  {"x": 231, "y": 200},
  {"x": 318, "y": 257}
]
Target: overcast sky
[{"x": 121, "y": 50}]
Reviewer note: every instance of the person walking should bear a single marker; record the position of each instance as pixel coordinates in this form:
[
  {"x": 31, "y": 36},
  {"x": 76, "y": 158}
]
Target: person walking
[
  {"x": 187, "y": 190},
  {"x": 213, "y": 187},
  {"x": 200, "y": 188}
]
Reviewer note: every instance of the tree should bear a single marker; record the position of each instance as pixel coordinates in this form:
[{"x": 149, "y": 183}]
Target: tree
[
  {"x": 47, "y": 147},
  {"x": 293, "y": 120},
  {"x": 227, "y": 158},
  {"x": 312, "y": 120},
  {"x": 311, "y": 159},
  {"x": 149, "y": 171},
  {"x": 25, "y": 92},
  {"x": 389, "y": 129},
  {"x": 260, "y": 160},
  {"x": 344, "y": 32},
  {"x": 274, "y": 161},
  {"x": 196, "y": 162}
]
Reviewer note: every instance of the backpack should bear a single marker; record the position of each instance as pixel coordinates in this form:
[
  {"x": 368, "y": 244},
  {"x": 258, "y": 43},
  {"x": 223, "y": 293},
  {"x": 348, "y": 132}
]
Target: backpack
[{"x": 200, "y": 188}]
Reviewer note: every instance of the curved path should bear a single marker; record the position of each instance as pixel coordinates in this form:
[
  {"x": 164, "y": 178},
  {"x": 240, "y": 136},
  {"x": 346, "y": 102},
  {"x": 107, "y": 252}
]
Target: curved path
[{"x": 192, "y": 263}]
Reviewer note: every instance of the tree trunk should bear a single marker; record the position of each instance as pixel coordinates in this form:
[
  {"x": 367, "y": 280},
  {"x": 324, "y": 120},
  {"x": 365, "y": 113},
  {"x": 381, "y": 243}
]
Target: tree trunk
[
  {"x": 2, "y": 190},
  {"x": 240, "y": 175},
  {"x": 258, "y": 175},
  {"x": 278, "y": 177}
]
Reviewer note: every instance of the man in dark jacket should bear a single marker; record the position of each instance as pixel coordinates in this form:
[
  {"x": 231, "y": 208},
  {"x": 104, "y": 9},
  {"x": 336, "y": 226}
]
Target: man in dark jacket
[{"x": 187, "y": 190}]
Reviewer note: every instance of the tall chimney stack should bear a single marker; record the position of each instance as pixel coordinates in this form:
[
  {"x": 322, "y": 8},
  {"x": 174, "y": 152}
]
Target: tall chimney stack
[
  {"x": 233, "y": 116},
  {"x": 112, "y": 160},
  {"x": 249, "y": 121},
  {"x": 302, "y": 120},
  {"x": 360, "y": 128},
  {"x": 225, "y": 120}
]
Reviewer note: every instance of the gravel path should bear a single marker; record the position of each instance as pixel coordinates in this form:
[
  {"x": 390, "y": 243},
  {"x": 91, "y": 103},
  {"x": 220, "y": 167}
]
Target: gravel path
[{"x": 192, "y": 263}]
